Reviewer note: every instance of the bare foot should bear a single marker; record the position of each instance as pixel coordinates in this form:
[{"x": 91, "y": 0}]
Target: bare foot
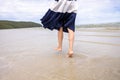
[
  {"x": 58, "y": 49},
  {"x": 70, "y": 54}
]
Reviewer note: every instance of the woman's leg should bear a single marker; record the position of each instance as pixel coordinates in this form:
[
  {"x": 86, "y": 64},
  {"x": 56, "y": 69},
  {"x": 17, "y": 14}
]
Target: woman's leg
[
  {"x": 71, "y": 42},
  {"x": 60, "y": 39}
]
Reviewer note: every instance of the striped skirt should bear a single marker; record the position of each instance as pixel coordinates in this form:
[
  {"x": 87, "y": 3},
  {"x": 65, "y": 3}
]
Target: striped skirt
[{"x": 61, "y": 14}]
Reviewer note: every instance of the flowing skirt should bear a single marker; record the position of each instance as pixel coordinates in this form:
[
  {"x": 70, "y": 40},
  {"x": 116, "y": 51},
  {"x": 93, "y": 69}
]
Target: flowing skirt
[{"x": 61, "y": 14}]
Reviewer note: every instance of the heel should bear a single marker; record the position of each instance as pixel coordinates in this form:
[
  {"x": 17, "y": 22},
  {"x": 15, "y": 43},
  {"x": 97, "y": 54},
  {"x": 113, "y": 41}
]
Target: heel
[{"x": 70, "y": 55}]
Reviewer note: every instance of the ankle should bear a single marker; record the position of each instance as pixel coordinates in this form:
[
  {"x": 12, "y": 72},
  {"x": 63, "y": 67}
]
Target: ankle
[
  {"x": 70, "y": 50},
  {"x": 60, "y": 47}
]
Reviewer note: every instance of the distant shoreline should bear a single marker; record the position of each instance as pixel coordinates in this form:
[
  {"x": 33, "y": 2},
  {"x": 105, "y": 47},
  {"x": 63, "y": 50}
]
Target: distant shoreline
[{"x": 5, "y": 24}]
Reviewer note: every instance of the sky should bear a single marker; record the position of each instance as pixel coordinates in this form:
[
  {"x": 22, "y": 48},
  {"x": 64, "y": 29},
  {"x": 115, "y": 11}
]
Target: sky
[{"x": 89, "y": 11}]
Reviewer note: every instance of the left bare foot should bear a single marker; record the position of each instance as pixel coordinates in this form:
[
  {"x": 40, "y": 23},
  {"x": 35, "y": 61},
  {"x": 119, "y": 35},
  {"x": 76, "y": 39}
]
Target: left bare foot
[{"x": 58, "y": 49}]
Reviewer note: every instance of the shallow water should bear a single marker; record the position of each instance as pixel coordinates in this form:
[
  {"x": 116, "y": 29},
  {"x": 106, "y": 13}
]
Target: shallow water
[{"x": 28, "y": 54}]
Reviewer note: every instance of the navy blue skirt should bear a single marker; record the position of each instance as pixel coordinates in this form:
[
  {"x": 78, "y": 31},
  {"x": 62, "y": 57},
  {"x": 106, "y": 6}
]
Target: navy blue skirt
[{"x": 55, "y": 20}]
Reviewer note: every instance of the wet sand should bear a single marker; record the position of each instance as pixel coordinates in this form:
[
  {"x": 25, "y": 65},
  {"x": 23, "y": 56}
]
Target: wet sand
[{"x": 28, "y": 54}]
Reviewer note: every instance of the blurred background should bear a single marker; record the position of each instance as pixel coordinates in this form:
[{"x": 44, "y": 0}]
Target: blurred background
[{"x": 89, "y": 11}]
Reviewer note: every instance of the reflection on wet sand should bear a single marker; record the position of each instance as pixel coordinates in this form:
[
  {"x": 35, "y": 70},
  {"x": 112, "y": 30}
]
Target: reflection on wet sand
[{"x": 28, "y": 54}]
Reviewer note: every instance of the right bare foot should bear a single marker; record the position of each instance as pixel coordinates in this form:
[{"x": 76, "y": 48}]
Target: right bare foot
[{"x": 70, "y": 54}]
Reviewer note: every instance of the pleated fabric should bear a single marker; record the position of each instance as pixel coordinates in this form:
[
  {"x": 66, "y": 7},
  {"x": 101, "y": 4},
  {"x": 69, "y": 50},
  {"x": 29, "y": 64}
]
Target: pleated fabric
[{"x": 61, "y": 14}]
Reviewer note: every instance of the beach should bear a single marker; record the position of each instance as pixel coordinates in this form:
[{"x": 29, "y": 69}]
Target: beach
[{"x": 28, "y": 54}]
